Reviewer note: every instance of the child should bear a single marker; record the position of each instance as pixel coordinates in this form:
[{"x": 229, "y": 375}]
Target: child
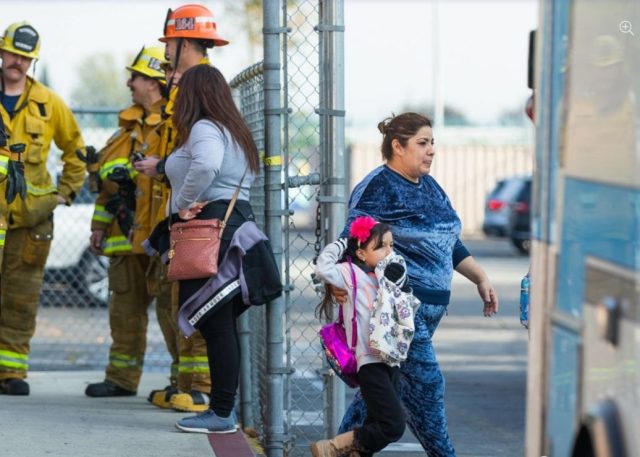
[{"x": 368, "y": 244}]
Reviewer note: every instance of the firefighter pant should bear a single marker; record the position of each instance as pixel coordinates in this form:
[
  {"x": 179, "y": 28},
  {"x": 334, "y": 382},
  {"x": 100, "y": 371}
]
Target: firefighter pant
[
  {"x": 128, "y": 318},
  {"x": 160, "y": 288},
  {"x": 25, "y": 254},
  {"x": 421, "y": 389}
]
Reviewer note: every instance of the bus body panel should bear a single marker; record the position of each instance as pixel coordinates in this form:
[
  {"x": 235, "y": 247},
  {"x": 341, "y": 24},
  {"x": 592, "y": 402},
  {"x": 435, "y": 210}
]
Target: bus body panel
[{"x": 584, "y": 352}]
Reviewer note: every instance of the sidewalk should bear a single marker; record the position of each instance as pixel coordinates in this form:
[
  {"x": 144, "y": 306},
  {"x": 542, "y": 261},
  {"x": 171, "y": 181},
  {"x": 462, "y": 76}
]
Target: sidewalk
[
  {"x": 58, "y": 420},
  {"x": 485, "y": 401}
]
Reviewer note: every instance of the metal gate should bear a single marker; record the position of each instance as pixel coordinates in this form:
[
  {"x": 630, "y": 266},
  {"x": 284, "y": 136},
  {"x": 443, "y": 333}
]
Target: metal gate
[{"x": 293, "y": 101}]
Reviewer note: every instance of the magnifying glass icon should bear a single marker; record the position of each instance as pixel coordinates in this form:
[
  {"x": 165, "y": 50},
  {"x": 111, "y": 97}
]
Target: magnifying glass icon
[{"x": 626, "y": 27}]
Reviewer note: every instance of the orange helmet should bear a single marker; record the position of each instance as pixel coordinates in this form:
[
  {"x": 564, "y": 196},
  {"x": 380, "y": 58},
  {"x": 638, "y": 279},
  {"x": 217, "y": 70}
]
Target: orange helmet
[{"x": 192, "y": 21}]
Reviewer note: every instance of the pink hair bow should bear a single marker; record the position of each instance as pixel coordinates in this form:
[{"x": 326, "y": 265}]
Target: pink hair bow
[{"x": 361, "y": 228}]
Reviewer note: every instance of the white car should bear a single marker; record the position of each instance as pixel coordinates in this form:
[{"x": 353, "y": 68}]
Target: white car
[{"x": 75, "y": 276}]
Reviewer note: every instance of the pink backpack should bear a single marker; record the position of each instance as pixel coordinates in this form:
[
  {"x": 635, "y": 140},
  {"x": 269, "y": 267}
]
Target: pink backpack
[{"x": 340, "y": 355}]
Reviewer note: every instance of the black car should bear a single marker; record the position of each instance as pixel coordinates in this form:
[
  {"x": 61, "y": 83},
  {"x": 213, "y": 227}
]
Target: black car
[{"x": 519, "y": 230}]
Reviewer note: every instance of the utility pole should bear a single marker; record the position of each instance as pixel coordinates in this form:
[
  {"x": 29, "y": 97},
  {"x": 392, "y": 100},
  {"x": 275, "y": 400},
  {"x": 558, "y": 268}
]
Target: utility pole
[{"x": 438, "y": 80}]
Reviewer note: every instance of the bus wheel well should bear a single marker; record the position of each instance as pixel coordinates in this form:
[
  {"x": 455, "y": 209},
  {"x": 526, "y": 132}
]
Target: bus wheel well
[
  {"x": 600, "y": 434},
  {"x": 583, "y": 446}
]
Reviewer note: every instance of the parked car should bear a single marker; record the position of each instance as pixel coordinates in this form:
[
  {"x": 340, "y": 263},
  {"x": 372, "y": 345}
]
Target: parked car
[
  {"x": 507, "y": 211},
  {"x": 497, "y": 208},
  {"x": 495, "y": 219},
  {"x": 74, "y": 276},
  {"x": 520, "y": 219}
]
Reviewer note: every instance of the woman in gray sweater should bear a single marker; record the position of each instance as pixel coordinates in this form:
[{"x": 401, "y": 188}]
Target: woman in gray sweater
[{"x": 214, "y": 154}]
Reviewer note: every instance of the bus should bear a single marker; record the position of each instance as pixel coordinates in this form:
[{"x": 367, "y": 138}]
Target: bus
[{"x": 583, "y": 385}]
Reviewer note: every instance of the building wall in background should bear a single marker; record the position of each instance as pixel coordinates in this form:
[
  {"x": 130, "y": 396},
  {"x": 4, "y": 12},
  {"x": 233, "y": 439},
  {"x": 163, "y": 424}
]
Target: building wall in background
[{"x": 467, "y": 173}]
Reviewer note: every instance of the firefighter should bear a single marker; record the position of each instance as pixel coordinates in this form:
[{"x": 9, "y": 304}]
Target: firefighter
[
  {"x": 121, "y": 222},
  {"x": 189, "y": 31},
  {"x": 33, "y": 115}
]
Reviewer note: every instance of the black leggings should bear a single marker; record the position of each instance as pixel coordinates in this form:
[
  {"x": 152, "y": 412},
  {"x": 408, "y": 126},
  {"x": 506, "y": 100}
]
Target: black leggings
[
  {"x": 219, "y": 329},
  {"x": 223, "y": 347},
  {"x": 385, "y": 422}
]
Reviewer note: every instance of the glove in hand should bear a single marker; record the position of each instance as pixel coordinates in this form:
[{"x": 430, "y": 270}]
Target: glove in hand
[
  {"x": 397, "y": 274},
  {"x": 123, "y": 215},
  {"x": 16, "y": 184},
  {"x": 394, "y": 272},
  {"x": 88, "y": 155}
]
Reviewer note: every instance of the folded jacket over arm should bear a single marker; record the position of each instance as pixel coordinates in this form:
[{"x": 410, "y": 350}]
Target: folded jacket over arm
[{"x": 248, "y": 268}]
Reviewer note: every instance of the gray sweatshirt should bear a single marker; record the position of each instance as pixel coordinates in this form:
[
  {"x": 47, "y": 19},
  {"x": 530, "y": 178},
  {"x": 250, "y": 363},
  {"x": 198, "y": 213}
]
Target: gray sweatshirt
[{"x": 207, "y": 167}]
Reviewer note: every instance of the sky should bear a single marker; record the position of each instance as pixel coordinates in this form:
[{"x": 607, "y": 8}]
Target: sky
[
  {"x": 483, "y": 48},
  {"x": 389, "y": 50}
]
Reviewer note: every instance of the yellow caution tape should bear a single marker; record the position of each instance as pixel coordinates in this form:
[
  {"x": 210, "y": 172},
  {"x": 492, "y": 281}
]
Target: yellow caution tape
[{"x": 273, "y": 161}]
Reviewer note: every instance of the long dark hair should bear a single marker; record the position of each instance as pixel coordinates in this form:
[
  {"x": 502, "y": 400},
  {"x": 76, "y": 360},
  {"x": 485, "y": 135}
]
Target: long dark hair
[
  {"x": 205, "y": 94},
  {"x": 323, "y": 310}
]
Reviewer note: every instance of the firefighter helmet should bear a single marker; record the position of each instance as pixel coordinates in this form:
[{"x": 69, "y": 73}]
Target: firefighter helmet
[
  {"x": 22, "y": 39},
  {"x": 192, "y": 21},
  {"x": 150, "y": 62}
]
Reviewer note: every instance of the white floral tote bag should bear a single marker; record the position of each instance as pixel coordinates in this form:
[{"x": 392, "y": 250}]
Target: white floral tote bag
[{"x": 391, "y": 327}]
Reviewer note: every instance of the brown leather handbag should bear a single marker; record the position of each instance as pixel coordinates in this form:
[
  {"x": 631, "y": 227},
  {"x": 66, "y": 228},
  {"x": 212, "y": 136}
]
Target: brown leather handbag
[{"x": 194, "y": 245}]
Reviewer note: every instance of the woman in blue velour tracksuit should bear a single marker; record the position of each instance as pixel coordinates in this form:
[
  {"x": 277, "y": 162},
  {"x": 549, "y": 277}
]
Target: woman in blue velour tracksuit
[{"x": 426, "y": 233}]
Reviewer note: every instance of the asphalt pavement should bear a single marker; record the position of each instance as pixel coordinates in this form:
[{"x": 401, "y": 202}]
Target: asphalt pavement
[{"x": 484, "y": 362}]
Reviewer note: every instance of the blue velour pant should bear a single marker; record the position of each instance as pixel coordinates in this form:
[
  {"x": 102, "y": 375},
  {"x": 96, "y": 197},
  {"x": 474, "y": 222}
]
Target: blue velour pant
[{"x": 421, "y": 389}]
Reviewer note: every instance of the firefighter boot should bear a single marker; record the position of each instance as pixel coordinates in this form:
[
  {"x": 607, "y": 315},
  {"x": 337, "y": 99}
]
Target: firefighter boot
[
  {"x": 14, "y": 386},
  {"x": 107, "y": 389},
  {"x": 190, "y": 402},
  {"x": 162, "y": 397},
  {"x": 341, "y": 445}
]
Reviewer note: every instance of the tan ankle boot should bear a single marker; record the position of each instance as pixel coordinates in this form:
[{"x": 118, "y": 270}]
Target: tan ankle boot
[{"x": 339, "y": 446}]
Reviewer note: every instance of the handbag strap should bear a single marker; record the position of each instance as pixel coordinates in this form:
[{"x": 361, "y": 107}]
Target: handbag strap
[{"x": 232, "y": 203}]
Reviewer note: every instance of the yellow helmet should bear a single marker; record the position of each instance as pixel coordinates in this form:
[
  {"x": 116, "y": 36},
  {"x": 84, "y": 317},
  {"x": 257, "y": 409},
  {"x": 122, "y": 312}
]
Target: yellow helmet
[
  {"x": 150, "y": 62},
  {"x": 21, "y": 38}
]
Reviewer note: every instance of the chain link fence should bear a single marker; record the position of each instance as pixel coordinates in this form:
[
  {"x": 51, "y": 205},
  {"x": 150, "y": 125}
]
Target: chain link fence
[
  {"x": 304, "y": 392},
  {"x": 249, "y": 94},
  {"x": 72, "y": 331},
  {"x": 75, "y": 277},
  {"x": 303, "y": 386}
]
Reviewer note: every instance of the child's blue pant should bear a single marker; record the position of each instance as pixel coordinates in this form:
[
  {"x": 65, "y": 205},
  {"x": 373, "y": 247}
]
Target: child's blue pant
[{"x": 421, "y": 389}]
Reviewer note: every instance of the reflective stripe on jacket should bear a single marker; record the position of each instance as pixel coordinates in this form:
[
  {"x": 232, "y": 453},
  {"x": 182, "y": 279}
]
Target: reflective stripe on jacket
[{"x": 137, "y": 133}]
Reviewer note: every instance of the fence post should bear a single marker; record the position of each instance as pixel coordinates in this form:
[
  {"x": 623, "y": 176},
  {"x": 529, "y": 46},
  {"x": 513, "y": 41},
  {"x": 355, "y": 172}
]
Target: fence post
[
  {"x": 333, "y": 160},
  {"x": 274, "y": 436}
]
